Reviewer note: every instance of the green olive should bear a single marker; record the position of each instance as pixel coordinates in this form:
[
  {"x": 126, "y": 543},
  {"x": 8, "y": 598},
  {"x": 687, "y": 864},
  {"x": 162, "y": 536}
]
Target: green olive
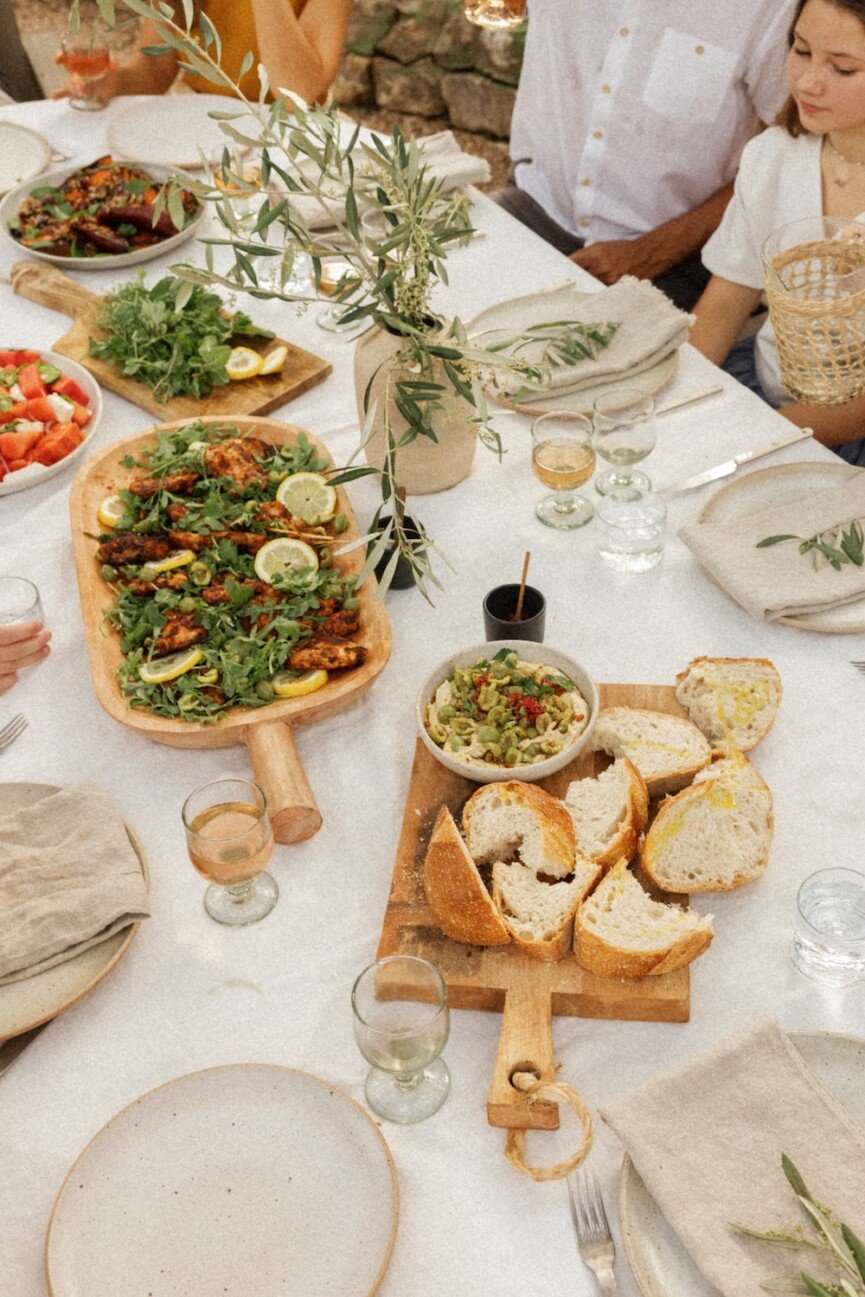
[
  {"x": 493, "y": 753},
  {"x": 340, "y": 524},
  {"x": 512, "y": 757},
  {"x": 186, "y": 702},
  {"x": 275, "y": 477},
  {"x": 200, "y": 574},
  {"x": 148, "y": 572},
  {"x": 497, "y": 714},
  {"x": 438, "y": 736},
  {"x": 187, "y": 604},
  {"x": 351, "y": 604},
  {"x": 543, "y": 722},
  {"x": 264, "y": 689},
  {"x": 462, "y": 725},
  {"x": 107, "y": 572},
  {"x": 446, "y": 713},
  {"x": 454, "y": 743},
  {"x": 208, "y": 677},
  {"x": 488, "y": 734}
]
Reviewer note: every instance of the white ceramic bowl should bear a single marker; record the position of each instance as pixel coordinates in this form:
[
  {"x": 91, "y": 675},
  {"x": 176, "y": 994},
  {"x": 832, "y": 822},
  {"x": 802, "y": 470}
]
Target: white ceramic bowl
[
  {"x": 35, "y": 474},
  {"x": 529, "y": 652}
]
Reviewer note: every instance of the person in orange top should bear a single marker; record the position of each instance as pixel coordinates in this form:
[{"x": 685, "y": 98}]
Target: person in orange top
[{"x": 300, "y": 43}]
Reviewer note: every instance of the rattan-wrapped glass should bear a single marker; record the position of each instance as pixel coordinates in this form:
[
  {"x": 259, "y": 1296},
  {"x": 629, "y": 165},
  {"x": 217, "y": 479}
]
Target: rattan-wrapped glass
[{"x": 815, "y": 288}]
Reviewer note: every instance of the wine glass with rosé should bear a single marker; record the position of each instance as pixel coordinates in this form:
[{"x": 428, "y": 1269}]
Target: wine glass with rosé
[
  {"x": 86, "y": 56},
  {"x": 229, "y": 839}
]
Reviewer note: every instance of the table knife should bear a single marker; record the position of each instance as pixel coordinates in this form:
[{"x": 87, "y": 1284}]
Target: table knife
[{"x": 730, "y": 465}]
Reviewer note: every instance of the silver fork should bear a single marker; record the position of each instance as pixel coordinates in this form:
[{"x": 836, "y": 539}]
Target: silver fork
[
  {"x": 593, "y": 1231},
  {"x": 860, "y": 666},
  {"x": 11, "y": 730}
]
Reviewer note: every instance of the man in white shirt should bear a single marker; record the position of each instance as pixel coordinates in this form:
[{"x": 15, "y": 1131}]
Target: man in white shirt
[{"x": 629, "y": 122}]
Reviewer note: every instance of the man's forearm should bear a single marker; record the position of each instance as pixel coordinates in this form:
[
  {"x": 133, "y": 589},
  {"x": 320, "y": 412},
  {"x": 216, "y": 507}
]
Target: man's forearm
[{"x": 684, "y": 235}]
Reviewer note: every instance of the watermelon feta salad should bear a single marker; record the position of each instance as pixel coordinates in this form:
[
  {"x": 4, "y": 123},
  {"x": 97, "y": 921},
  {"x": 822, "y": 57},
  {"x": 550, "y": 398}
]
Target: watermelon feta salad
[{"x": 44, "y": 411}]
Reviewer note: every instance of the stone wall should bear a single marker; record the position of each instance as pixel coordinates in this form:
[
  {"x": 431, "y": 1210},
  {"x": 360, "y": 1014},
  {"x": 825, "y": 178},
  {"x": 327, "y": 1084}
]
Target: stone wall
[{"x": 423, "y": 57}]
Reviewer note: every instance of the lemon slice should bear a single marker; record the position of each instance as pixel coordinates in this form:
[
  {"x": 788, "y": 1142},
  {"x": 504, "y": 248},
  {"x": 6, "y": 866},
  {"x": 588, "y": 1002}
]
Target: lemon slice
[
  {"x": 243, "y": 363},
  {"x": 274, "y": 360},
  {"x": 111, "y": 510},
  {"x": 286, "y": 686},
  {"x": 170, "y": 667},
  {"x": 307, "y": 496},
  {"x": 179, "y": 558},
  {"x": 284, "y": 556}
]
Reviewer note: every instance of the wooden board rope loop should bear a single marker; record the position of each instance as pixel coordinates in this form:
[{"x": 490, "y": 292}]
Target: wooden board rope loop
[{"x": 515, "y": 1142}]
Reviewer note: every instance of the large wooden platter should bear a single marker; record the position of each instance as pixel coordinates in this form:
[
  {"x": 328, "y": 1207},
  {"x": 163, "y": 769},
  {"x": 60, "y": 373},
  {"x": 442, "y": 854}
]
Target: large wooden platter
[
  {"x": 50, "y": 287},
  {"x": 504, "y": 979},
  {"x": 266, "y": 731}
]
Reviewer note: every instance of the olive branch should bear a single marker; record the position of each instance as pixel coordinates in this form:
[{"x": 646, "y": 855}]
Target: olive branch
[{"x": 837, "y": 546}]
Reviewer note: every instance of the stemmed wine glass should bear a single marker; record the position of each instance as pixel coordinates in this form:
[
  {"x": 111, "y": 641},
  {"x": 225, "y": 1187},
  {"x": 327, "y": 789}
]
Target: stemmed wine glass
[
  {"x": 401, "y": 1024},
  {"x": 563, "y": 458},
  {"x": 229, "y": 840},
  {"x": 624, "y": 434},
  {"x": 335, "y": 280},
  {"x": 86, "y": 57},
  {"x": 495, "y": 13}
]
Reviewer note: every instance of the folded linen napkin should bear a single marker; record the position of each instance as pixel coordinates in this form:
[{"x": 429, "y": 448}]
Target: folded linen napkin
[
  {"x": 778, "y": 581},
  {"x": 650, "y": 327},
  {"x": 69, "y": 878},
  {"x": 707, "y": 1138}
]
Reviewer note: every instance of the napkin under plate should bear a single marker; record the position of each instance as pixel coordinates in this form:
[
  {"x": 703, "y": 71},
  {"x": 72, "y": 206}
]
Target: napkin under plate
[
  {"x": 778, "y": 581},
  {"x": 707, "y": 1137},
  {"x": 69, "y": 878}
]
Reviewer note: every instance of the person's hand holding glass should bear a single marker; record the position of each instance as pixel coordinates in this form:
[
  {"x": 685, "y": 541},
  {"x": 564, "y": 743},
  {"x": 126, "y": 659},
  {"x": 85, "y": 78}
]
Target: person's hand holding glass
[
  {"x": 624, "y": 434},
  {"x": 229, "y": 840},
  {"x": 23, "y": 638},
  {"x": 563, "y": 458}
]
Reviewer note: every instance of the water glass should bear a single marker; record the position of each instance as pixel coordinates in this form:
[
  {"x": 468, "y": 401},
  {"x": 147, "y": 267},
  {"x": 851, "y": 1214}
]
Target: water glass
[
  {"x": 495, "y": 13},
  {"x": 630, "y": 530},
  {"x": 87, "y": 59},
  {"x": 336, "y": 279},
  {"x": 229, "y": 840},
  {"x": 19, "y": 601},
  {"x": 563, "y": 458},
  {"x": 401, "y": 1025},
  {"x": 624, "y": 434},
  {"x": 829, "y": 927}
]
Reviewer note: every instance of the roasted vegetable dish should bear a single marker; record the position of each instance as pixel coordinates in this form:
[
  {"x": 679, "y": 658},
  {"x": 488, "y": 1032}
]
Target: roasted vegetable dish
[
  {"x": 101, "y": 210},
  {"x": 223, "y": 596},
  {"x": 43, "y": 412}
]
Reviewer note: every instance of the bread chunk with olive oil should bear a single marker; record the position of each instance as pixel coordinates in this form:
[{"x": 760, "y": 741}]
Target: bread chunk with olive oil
[
  {"x": 539, "y": 914},
  {"x": 667, "y": 750},
  {"x": 734, "y": 701},
  {"x": 455, "y": 892},
  {"x": 609, "y": 812},
  {"x": 512, "y": 820}
]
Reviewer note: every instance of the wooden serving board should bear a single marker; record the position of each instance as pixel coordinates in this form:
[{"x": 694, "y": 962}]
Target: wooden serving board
[
  {"x": 266, "y": 731},
  {"x": 45, "y": 284},
  {"x": 504, "y": 979}
]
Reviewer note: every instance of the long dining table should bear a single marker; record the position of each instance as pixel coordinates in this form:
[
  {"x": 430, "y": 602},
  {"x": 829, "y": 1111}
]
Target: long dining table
[{"x": 191, "y": 995}]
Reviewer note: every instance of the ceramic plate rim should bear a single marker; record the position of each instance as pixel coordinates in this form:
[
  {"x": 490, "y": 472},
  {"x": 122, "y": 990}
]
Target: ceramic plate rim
[
  {"x": 84, "y": 379},
  {"x": 136, "y": 109},
  {"x": 798, "y": 468},
  {"x": 628, "y": 1178},
  {"x": 228, "y": 1067},
  {"x": 130, "y": 933},
  {"x": 47, "y": 150}
]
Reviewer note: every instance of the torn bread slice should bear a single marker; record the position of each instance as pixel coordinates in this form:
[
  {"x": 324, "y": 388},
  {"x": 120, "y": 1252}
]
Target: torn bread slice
[
  {"x": 715, "y": 835},
  {"x": 540, "y": 915},
  {"x": 514, "y": 820},
  {"x": 734, "y": 701},
  {"x": 667, "y": 750},
  {"x": 609, "y": 812},
  {"x": 455, "y": 891},
  {"x": 620, "y": 931}
]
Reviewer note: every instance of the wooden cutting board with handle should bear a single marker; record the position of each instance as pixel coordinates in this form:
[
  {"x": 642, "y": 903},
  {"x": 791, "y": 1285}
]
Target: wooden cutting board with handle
[
  {"x": 266, "y": 731},
  {"x": 504, "y": 979},
  {"x": 47, "y": 285}
]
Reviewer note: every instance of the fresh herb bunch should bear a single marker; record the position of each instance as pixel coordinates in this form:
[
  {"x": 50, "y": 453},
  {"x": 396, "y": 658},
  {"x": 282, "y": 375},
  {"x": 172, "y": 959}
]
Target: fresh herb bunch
[
  {"x": 174, "y": 337},
  {"x": 838, "y": 546},
  {"x": 837, "y": 1242}
]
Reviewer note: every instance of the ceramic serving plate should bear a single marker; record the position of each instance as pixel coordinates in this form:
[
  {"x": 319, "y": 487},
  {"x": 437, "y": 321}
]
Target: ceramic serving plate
[
  {"x": 34, "y": 1000},
  {"x": 11, "y": 204},
  {"x": 36, "y": 474},
  {"x": 173, "y": 130},
  {"x": 767, "y": 487},
  {"x": 517, "y": 314},
  {"x": 23, "y": 154},
  {"x": 249, "y": 1179},
  {"x": 661, "y": 1265}
]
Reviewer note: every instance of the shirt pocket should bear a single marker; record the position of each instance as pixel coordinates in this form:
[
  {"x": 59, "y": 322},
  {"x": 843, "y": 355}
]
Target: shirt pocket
[{"x": 689, "y": 79}]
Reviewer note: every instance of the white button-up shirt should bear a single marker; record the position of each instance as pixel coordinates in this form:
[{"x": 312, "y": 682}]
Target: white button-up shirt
[{"x": 631, "y": 112}]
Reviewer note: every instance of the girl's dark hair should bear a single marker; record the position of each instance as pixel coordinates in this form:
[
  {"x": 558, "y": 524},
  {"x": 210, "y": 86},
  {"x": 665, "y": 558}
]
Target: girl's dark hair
[{"x": 789, "y": 114}]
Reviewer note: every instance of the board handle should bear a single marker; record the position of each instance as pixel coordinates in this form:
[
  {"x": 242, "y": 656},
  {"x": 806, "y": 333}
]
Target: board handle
[
  {"x": 291, "y": 802},
  {"x": 525, "y": 1045},
  {"x": 41, "y": 282}
]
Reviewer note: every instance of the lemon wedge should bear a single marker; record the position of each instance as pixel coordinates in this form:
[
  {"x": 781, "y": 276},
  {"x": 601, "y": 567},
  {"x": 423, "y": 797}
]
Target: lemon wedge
[
  {"x": 111, "y": 510},
  {"x": 243, "y": 363},
  {"x": 307, "y": 496},
  {"x": 274, "y": 360},
  {"x": 286, "y": 686},
  {"x": 284, "y": 556},
  {"x": 168, "y": 668},
  {"x": 179, "y": 558}
]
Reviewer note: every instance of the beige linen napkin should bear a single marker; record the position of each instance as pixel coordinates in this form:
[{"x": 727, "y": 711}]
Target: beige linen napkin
[
  {"x": 69, "y": 879},
  {"x": 707, "y": 1139},
  {"x": 779, "y": 581}
]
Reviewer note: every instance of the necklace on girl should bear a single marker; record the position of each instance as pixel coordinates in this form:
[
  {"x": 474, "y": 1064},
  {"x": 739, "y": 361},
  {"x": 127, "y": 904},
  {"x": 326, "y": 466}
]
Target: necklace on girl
[{"x": 848, "y": 162}]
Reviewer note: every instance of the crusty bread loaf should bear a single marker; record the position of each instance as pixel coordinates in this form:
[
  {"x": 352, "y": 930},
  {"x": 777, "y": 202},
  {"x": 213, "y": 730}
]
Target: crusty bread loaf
[
  {"x": 734, "y": 701},
  {"x": 715, "y": 835},
  {"x": 609, "y": 812},
  {"x": 667, "y": 750},
  {"x": 514, "y": 820},
  {"x": 539, "y": 915},
  {"x": 455, "y": 891},
  {"x": 620, "y": 931}
]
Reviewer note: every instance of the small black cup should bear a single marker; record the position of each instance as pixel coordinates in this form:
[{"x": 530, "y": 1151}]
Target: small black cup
[
  {"x": 500, "y": 605},
  {"x": 403, "y": 577}
]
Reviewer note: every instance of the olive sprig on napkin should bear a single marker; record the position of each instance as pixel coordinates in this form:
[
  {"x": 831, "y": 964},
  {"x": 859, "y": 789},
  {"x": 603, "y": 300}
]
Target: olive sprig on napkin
[{"x": 836, "y": 545}]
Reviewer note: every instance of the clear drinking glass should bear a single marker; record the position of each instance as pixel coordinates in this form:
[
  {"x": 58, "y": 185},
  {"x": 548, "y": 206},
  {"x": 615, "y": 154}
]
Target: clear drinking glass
[
  {"x": 630, "y": 531},
  {"x": 625, "y": 433},
  {"x": 401, "y": 1025},
  {"x": 829, "y": 927},
  {"x": 87, "y": 59},
  {"x": 19, "y": 601},
  {"x": 563, "y": 458},
  {"x": 336, "y": 277},
  {"x": 229, "y": 840},
  {"x": 495, "y": 13}
]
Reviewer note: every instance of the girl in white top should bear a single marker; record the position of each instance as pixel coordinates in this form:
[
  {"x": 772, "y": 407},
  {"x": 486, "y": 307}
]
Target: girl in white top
[{"x": 811, "y": 164}]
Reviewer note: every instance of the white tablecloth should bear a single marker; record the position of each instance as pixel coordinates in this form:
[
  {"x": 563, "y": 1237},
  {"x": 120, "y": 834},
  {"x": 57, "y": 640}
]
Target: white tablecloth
[{"x": 191, "y": 994}]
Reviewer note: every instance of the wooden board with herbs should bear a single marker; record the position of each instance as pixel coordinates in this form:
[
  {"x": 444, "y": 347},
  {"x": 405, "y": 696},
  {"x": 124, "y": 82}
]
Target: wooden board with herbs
[
  {"x": 504, "y": 979},
  {"x": 48, "y": 286}
]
